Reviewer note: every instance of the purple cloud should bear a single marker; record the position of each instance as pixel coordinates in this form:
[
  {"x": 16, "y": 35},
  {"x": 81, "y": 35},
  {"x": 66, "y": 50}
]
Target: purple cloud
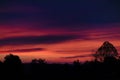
[{"x": 30, "y": 40}]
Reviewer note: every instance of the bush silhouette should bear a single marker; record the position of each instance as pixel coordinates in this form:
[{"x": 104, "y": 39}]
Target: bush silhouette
[
  {"x": 12, "y": 59},
  {"x": 39, "y": 61},
  {"x": 13, "y": 66}
]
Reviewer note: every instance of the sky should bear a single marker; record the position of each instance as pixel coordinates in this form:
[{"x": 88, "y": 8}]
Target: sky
[{"x": 57, "y": 30}]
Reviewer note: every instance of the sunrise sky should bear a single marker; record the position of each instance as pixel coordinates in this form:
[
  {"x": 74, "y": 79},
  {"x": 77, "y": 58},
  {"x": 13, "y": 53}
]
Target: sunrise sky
[{"x": 57, "y": 30}]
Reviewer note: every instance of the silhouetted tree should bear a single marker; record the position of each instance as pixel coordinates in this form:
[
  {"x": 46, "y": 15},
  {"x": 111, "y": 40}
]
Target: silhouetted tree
[
  {"x": 106, "y": 50},
  {"x": 42, "y": 61},
  {"x": 39, "y": 61},
  {"x": 76, "y": 62},
  {"x": 34, "y": 61},
  {"x": 12, "y": 59},
  {"x": 13, "y": 66}
]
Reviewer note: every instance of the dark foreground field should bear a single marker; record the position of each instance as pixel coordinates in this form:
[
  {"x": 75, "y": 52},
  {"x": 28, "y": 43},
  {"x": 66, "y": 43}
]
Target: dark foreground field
[{"x": 12, "y": 69}]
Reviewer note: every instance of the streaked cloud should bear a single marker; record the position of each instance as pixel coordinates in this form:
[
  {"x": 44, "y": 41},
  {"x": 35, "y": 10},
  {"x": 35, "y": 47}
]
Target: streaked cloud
[
  {"x": 23, "y": 50},
  {"x": 27, "y": 40},
  {"x": 77, "y": 56}
]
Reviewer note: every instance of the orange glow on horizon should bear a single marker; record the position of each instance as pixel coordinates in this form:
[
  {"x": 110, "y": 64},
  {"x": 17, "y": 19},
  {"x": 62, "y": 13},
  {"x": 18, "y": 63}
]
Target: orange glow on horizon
[{"x": 87, "y": 43}]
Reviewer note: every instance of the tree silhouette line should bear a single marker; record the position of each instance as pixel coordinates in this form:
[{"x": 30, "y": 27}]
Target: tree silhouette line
[{"x": 105, "y": 66}]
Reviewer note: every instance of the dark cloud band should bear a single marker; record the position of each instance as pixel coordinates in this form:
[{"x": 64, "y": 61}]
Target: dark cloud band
[
  {"x": 25, "y": 50},
  {"x": 31, "y": 40},
  {"x": 78, "y": 56}
]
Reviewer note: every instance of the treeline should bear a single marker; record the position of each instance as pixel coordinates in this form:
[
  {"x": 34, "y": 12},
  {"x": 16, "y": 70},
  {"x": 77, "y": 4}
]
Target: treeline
[{"x": 13, "y": 69}]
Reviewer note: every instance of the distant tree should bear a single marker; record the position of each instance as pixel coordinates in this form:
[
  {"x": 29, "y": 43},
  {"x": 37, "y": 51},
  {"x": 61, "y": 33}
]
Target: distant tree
[
  {"x": 39, "y": 61},
  {"x": 76, "y": 62},
  {"x": 105, "y": 51},
  {"x": 13, "y": 66},
  {"x": 42, "y": 61},
  {"x": 34, "y": 61},
  {"x": 12, "y": 59}
]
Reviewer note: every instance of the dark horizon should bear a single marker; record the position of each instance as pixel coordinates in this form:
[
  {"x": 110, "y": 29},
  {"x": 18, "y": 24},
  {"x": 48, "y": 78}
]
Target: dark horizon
[{"x": 106, "y": 68}]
